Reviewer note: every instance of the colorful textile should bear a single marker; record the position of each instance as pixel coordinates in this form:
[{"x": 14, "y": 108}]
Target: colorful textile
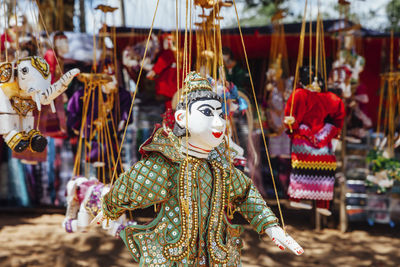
[
  {"x": 313, "y": 170},
  {"x": 318, "y": 119},
  {"x": 191, "y": 228},
  {"x": 17, "y": 187}
]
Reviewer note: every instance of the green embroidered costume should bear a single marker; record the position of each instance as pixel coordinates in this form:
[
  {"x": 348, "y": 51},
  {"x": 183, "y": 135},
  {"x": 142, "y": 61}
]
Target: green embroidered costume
[{"x": 191, "y": 228}]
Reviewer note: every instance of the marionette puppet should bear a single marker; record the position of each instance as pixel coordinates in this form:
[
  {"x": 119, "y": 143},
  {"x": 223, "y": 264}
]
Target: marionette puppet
[
  {"x": 108, "y": 108},
  {"x": 314, "y": 118},
  {"x": 61, "y": 48},
  {"x": 164, "y": 71},
  {"x": 344, "y": 81},
  {"x": 186, "y": 174},
  {"x": 277, "y": 92},
  {"x": 132, "y": 56},
  {"x": 10, "y": 35},
  {"x": 84, "y": 203},
  {"x": 25, "y": 86}
]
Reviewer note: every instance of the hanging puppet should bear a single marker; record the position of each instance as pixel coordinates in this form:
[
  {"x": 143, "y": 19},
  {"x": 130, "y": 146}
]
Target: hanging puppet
[
  {"x": 188, "y": 179},
  {"x": 345, "y": 82},
  {"x": 164, "y": 71},
  {"x": 316, "y": 118},
  {"x": 9, "y": 38},
  {"x": 25, "y": 86},
  {"x": 96, "y": 110},
  {"x": 277, "y": 92},
  {"x": 132, "y": 56}
]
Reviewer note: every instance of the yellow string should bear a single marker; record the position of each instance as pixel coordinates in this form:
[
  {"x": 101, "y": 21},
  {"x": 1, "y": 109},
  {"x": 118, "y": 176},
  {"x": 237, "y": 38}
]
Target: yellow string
[
  {"x": 317, "y": 48},
  {"x": 36, "y": 22},
  {"x": 17, "y": 32},
  {"x": 186, "y": 109},
  {"x": 299, "y": 61},
  {"x": 214, "y": 47},
  {"x": 382, "y": 88},
  {"x": 228, "y": 120},
  {"x": 190, "y": 37},
  {"x": 5, "y": 30},
  {"x": 92, "y": 131},
  {"x": 391, "y": 50},
  {"x": 323, "y": 52},
  {"x": 310, "y": 49},
  {"x": 177, "y": 50},
  {"x": 116, "y": 139},
  {"x": 136, "y": 89},
  {"x": 86, "y": 95},
  {"x": 48, "y": 36},
  {"x": 259, "y": 116}
]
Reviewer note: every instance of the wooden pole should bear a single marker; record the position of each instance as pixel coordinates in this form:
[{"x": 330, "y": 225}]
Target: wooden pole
[
  {"x": 82, "y": 17},
  {"x": 342, "y": 184},
  {"x": 123, "y": 13},
  {"x": 60, "y": 13},
  {"x": 342, "y": 212},
  {"x": 317, "y": 218}
]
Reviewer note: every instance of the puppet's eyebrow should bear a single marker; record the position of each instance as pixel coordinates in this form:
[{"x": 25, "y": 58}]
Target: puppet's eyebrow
[{"x": 207, "y": 105}]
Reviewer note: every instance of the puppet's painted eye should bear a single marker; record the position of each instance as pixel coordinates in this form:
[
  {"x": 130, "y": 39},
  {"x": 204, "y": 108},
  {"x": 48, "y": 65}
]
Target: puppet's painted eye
[
  {"x": 24, "y": 70},
  {"x": 222, "y": 115},
  {"x": 206, "y": 111}
]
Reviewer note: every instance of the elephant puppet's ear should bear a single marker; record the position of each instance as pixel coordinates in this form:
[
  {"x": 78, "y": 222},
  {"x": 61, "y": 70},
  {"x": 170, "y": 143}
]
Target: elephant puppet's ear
[
  {"x": 6, "y": 71},
  {"x": 41, "y": 65}
]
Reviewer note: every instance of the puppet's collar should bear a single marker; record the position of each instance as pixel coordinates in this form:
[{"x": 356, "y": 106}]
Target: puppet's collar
[{"x": 193, "y": 150}]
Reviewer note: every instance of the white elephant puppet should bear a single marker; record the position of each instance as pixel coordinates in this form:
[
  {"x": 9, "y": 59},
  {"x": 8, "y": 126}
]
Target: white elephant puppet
[{"x": 25, "y": 85}]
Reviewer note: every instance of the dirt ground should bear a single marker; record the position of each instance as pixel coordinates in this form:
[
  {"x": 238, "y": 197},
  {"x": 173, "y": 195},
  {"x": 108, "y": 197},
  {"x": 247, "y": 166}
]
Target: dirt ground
[{"x": 39, "y": 240}]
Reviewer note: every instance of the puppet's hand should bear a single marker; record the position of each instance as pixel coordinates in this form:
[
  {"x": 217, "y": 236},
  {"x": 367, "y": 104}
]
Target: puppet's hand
[
  {"x": 121, "y": 126},
  {"x": 282, "y": 240},
  {"x": 289, "y": 120},
  {"x": 151, "y": 75}
]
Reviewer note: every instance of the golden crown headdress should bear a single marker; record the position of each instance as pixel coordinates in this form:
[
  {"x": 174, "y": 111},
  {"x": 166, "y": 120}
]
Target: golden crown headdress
[{"x": 194, "y": 82}]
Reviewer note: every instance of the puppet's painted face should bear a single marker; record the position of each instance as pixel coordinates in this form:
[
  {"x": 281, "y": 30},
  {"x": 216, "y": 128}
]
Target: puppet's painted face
[
  {"x": 33, "y": 74},
  {"x": 206, "y": 123},
  {"x": 168, "y": 42},
  {"x": 61, "y": 45}
]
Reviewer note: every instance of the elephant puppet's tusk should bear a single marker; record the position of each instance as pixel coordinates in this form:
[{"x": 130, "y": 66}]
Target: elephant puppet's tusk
[
  {"x": 37, "y": 100},
  {"x": 53, "y": 108}
]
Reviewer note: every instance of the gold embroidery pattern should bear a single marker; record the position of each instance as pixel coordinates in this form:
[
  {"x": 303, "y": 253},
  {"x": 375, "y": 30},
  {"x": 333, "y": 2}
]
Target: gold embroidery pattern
[
  {"x": 41, "y": 65},
  {"x": 218, "y": 252},
  {"x": 5, "y": 72},
  {"x": 12, "y": 143},
  {"x": 22, "y": 106},
  {"x": 189, "y": 211}
]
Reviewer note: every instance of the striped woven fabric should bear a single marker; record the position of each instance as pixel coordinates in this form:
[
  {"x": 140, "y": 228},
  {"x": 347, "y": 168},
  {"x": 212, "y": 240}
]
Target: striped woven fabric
[{"x": 313, "y": 170}]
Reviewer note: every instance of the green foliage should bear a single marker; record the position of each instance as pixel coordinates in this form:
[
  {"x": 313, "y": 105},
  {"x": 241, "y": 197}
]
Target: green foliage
[
  {"x": 380, "y": 163},
  {"x": 261, "y": 10}
]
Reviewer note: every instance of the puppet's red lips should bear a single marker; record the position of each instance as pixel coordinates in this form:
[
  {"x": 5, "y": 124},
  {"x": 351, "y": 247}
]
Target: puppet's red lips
[{"x": 217, "y": 134}]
